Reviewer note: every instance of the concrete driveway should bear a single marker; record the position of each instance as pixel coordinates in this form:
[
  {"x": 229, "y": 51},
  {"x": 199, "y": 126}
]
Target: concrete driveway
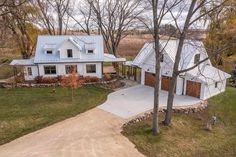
[
  {"x": 129, "y": 102},
  {"x": 95, "y": 133}
]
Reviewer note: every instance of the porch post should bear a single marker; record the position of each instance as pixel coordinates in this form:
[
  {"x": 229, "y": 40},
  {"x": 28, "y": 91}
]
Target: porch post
[
  {"x": 117, "y": 68},
  {"x": 125, "y": 71},
  {"x": 135, "y": 74},
  {"x": 132, "y": 72},
  {"x": 128, "y": 72},
  {"x": 122, "y": 69}
]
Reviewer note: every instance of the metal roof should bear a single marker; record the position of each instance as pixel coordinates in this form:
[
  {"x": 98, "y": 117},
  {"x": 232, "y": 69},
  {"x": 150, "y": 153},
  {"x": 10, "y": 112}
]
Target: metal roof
[
  {"x": 23, "y": 62},
  {"x": 112, "y": 58},
  {"x": 208, "y": 74},
  {"x": 58, "y": 40},
  {"x": 204, "y": 72},
  {"x": 54, "y": 43},
  {"x": 190, "y": 48}
]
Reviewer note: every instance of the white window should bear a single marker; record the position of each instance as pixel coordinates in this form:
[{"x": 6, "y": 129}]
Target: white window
[
  {"x": 196, "y": 58},
  {"x": 162, "y": 57},
  {"x": 216, "y": 84},
  {"x": 49, "y": 52},
  {"x": 90, "y": 51},
  {"x": 51, "y": 69},
  {"x": 91, "y": 68},
  {"x": 69, "y": 53},
  {"x": 71, "y": 68},
  {"x": 29, "y": 69}
]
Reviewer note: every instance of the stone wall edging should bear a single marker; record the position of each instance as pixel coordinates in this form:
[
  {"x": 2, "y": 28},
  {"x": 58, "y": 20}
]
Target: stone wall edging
[
  {"x": 181, "y": 109},
  {"x": 29, "y": 85}
]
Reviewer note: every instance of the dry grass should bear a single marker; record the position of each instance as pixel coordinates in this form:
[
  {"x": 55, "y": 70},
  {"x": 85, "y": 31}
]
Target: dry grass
[
  {"x": 187, "y": 137},
  {"x": 132, "y": 44}
]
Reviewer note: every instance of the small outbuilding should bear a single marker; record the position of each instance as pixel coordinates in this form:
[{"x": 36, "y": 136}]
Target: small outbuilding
[{"x": 202, "y": 82}]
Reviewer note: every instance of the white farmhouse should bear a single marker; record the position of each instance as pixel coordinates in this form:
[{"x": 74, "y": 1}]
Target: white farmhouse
[
  {"x": 202, "y": 82},
  {"x": 60, "y": 55}
]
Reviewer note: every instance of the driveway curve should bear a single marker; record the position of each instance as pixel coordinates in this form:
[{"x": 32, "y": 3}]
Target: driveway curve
[{"x": 95, "y": 133}]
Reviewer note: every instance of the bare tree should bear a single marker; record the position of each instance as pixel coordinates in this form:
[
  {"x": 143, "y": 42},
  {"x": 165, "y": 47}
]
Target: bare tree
[
  {"x": 194, "y": 14},
  {"x": 114, "y": 19},
  {"x": 6, "y": 4},
  {"x": 155, "y": 127},
  {"x": 159, "y": 9},
  {"x": 18, "y": 20},
  {"x": 83, "y": 17},
  {"x": 52, "y": 15}
]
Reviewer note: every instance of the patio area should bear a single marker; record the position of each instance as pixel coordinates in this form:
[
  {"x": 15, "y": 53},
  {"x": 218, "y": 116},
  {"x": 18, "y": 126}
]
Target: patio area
[{"x": 130, "y": 102}]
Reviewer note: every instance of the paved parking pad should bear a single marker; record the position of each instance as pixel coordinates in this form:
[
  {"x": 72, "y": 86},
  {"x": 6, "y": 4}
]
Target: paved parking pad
[{"x": 129, "y": 102}]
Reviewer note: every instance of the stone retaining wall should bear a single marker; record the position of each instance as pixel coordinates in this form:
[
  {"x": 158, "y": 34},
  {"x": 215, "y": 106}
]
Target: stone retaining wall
[
  {"x": 184, "y": 110},
  {"x": 29, "y": 85}
]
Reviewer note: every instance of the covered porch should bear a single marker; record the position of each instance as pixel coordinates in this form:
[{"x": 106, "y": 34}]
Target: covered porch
[{"x": 121, "y": 67}]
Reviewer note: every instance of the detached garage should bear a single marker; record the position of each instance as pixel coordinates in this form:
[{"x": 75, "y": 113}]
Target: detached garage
[{"x": 203, "y": 81}]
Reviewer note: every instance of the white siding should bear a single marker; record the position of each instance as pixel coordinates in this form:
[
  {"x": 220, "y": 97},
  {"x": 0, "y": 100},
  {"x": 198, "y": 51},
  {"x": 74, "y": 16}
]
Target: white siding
[
  {"x": 142, "y": 76},
  {"x": 166, "y": 66},
  {"x": 81, "y": 68},
  {"x": 34, "y": 72},
  {"x": 179, "y": 86},
  {"x": 98, "y": 70},
  {"x": 210, "y": 90},
  {"x": 68, "y": 45}
]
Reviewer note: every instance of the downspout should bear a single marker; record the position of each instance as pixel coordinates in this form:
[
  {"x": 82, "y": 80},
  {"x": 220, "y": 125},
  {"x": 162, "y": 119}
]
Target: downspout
[{"x": 38, "y": 69}]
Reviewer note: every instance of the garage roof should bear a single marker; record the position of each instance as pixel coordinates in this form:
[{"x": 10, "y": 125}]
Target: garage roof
[{"x": 208, "y": 74}]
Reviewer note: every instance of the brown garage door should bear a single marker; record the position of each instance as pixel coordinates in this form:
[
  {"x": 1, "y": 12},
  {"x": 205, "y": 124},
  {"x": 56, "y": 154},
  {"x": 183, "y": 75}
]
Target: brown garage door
[
  {"x": 165, "y": 82},
  {"x": 193, "y": 89},
  {"x": 149, "y": 79}
]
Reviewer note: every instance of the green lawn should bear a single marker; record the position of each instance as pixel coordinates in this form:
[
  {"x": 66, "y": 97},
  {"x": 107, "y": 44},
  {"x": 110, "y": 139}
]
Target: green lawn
[
  {"x": 23, "y": 110},
  {"x": 187, "y": 136}
]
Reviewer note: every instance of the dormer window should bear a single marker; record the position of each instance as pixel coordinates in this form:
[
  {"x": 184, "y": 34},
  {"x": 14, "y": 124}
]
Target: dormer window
[
  {"x": 69, "y": 53},
  {"x": 49, "y": 52},
  {"x": 196, "y": 58},
  {"x": 90, "y": 51}
]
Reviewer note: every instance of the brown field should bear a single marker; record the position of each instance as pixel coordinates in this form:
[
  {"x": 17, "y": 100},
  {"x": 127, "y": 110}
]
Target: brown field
[{"x": 132, "y": 44}]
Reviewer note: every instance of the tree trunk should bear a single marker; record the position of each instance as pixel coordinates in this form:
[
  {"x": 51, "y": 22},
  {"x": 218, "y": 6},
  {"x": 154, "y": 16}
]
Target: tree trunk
[
  {"x": 175, "y": 73},
  {"x": 170, "y": 100},
  {"x": 155, "y": 128}
]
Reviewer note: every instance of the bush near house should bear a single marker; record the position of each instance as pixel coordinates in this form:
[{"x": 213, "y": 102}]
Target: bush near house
[
  {"x": 187, "y": 136},
  {"x": 60, "y": 79},
  {"x": 107, "y": 77},
  {"x": 49, "y": 80},
  {"x": 89, "y": 79}
]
